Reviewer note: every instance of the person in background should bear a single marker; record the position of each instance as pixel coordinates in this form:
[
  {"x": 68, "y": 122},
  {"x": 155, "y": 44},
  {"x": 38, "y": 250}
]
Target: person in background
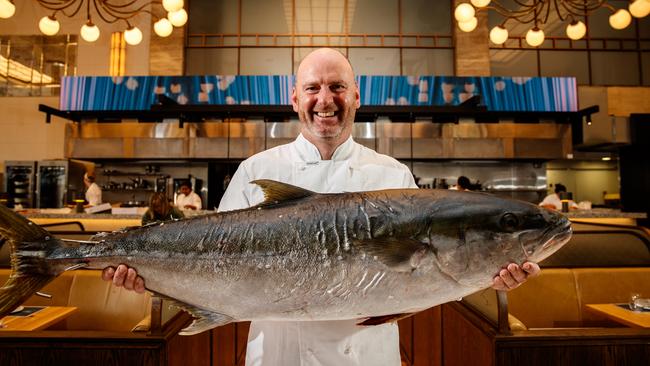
[
  {"x": 323, "y": 158},
  {"x": 553, "y": 201},
  {"x": 463, "y": 183},
  {"x": 160, "y": 210},
  {"x": 93, "y": 192},
  {"x": 188, "y": 200}
]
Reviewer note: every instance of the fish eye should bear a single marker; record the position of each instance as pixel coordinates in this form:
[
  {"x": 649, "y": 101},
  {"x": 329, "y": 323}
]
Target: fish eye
[{"x": 509, "y": 221}]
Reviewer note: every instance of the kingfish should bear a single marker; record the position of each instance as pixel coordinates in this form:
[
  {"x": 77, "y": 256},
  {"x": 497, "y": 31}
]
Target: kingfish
[{"x": 302, "y": 255}]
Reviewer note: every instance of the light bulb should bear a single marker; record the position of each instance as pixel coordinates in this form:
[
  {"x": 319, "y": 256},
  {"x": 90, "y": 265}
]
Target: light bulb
[
  {"x": 7, "y": 9},
  {"x": 620, "y": 19},
  {"x": 89, "y": 32},
  {"x": 480, "y": 3},
  {"x": 576, "y": 30},
  {"x": 498, "y": 35},
  {"x": 172, "y": 5},
  {"x": 163, "y": 27},
  {"x": 464, "y": 12},
  {"x": 177, "y": 18},
  {"x": 133, "y": 36},
  {"x": 49, "y": 25},
  {"x": 535, "y": 37},
  {"x": 469, "y": 25},
  {"x": 640, "y": 8}
]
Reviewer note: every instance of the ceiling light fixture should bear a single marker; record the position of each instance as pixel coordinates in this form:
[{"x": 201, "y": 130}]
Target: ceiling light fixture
[
  {"x": 537, "y": 13},
  {"x": 109, "y": 11}
]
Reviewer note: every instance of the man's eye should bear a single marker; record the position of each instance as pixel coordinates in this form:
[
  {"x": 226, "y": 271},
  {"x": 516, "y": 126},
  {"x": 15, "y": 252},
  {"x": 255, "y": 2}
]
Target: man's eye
[{"x": 338, "y": 87}]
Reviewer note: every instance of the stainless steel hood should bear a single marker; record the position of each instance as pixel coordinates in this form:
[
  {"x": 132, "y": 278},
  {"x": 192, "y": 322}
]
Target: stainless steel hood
[{"x": 234, "y": 139}]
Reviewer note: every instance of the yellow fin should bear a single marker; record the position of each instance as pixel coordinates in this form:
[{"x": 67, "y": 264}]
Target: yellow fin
[{"x": 276, "y": 192}]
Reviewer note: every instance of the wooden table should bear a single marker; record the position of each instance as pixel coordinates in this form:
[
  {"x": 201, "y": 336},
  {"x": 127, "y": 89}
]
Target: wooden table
[
  {"x": 39, "y": 320},
  {"x": 636, "y": 319}
]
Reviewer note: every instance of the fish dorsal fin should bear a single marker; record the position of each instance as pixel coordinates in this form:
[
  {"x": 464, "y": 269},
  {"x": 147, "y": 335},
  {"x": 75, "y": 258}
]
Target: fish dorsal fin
[
  {"x": 402, "y": 255},
  {"x": 204, "y": 319},
  {"x": 276, "y": 192}
]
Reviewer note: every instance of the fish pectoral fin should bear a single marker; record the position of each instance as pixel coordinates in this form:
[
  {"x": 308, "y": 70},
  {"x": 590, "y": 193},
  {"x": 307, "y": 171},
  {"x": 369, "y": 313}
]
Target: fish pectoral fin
[
  {"x": 276, "y": 192},
  {"x": 401, "y": 255},
  {"x": 204, "y": 319},
  {"x": 383, "y": 319},
  {"x": 207, "y": 321}
]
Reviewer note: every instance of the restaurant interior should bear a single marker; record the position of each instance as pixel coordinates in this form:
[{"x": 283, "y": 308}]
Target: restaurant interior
[{"x": 519, "y": 96}]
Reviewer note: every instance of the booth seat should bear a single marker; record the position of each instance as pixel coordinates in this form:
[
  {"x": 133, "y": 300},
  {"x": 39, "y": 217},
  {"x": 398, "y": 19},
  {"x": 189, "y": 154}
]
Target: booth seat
[
  {"x": 100, "y": 305},
  {"x": 557, "y": 297}
]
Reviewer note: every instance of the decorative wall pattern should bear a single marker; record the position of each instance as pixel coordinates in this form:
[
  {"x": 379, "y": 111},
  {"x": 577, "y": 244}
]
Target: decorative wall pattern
[{"x": 550, "y": 94}]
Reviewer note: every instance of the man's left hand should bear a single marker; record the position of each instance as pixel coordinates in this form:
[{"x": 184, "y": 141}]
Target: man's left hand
[{"x": 512, "y": 276}]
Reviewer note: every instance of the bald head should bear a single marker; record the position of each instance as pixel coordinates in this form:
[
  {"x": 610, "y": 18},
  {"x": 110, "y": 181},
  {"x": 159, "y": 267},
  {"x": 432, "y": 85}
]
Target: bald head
[{"x": 324, "y": 56}]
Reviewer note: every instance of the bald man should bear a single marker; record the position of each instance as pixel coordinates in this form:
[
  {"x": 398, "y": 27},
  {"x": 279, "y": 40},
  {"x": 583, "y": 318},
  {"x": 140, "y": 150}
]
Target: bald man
[{"x": 324, "y": 158}]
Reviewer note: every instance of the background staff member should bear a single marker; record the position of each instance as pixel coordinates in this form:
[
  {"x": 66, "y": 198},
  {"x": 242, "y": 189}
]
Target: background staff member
[
  {"x": 323, "y": 158},
  {"x": 160, "y": 210},
  {"x": 93, "y": 192},
  {"x": 187, "y": 199},
  {"x": 553, "y": 201}
]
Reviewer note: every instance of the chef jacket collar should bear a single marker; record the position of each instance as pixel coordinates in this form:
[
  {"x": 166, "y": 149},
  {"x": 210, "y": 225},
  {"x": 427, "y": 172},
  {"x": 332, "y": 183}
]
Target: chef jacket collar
[{"x": 308, "y": 152}]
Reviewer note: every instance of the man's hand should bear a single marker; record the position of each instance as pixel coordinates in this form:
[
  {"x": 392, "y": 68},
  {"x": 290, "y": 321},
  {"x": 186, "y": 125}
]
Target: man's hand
[
  {"x": 512, "y": 276},
  {"x": 125, "y": 277}
]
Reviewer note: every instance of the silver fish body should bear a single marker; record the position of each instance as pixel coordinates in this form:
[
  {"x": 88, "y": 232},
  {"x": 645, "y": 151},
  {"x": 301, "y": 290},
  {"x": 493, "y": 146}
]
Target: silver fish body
[{"x": 308, "y": 256}]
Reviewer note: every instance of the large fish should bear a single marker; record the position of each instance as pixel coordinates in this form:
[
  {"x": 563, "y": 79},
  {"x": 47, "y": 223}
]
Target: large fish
[{"x": 302, "y": 255}]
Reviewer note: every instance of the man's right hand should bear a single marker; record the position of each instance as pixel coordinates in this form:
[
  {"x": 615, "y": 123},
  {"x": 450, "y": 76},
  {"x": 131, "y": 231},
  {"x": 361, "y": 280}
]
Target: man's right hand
[{"x": 123, "y": 276}]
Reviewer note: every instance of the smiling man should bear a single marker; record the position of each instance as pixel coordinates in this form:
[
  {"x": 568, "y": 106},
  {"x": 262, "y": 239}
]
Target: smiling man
[{"x": 323, "y": 158}]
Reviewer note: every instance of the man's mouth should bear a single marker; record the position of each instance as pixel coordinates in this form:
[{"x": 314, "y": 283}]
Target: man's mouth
[{"x": 326, "y": 114}]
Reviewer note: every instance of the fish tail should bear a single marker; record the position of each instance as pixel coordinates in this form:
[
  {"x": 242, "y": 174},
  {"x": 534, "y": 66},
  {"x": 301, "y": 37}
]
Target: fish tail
[{"x": 30, "y": 271}]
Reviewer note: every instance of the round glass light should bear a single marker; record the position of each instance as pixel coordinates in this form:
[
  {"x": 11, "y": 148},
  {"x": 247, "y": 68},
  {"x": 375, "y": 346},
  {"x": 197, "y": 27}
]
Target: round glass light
[
  {"x": 7, "y": 9},
  {"x": 620, "y": 19},
  {"x": 163, "y": 27},
  {"x": 535, "y": 37},
  {"x": 480, "y": 3},
  {"x": 464, "y": 12},
  {"x": 498, "y": 35},
  {"x": 177, "y": 18},
  {"x": 576, "y": 30},
  {"x": 469, "y": 25},
  {"x": 89, "y": 32},
  {"x": 133, "y": 36},
  {"x": 172, "y": 5},
  {"x": 640, "y": 8},
  {"x": 49, "y": 25}
]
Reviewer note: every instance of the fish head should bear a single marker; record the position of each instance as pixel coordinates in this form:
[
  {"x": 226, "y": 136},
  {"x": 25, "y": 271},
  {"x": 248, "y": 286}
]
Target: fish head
[{"x": 477, "y": 234}]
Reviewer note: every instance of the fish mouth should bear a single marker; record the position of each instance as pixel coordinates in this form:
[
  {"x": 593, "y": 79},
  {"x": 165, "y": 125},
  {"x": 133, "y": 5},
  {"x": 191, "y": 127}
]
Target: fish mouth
[
  {"x": 558, "y": 235},
  {"x": 553, "y": 238}
]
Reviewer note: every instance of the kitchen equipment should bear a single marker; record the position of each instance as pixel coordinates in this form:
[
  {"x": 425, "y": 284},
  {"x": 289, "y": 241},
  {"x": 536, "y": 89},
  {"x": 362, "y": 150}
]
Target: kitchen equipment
[
  {"x": 60, "y": 181},
  {"x": 20, "y": 179}
]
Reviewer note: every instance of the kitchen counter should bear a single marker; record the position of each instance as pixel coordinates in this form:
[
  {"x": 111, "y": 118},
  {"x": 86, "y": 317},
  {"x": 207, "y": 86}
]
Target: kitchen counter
[
  {"x": 605, "y": 216},
  {"x": 604, "y": 213},
  {"x": 92, "y": 222}
]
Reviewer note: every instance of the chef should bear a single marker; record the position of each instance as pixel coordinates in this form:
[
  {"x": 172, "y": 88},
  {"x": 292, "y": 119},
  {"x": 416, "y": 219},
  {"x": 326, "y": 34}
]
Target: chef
[
  {"x": 187, "y": 199},
  {"x": 93, "y": 192}
]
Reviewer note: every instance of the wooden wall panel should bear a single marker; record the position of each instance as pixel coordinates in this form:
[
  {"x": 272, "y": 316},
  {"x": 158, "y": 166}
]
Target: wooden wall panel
[{"x": 464, "y": 343}]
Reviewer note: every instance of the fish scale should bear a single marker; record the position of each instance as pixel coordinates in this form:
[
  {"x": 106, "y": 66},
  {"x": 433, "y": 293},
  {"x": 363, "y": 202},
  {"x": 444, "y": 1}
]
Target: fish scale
[{"x": 301, "y": 255}]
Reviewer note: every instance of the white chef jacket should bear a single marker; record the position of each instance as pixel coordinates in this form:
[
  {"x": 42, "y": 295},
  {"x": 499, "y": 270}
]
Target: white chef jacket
[
  {"x": 94, "y": 194},
  {"x": 353, "y": 167},
  {"x": 191, "y": 199},
  {"x": 554, "y": 199}
]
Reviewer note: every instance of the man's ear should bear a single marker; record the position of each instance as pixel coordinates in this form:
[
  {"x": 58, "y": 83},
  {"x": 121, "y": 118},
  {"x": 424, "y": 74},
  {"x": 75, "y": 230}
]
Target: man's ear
[
  {"x": 294, "y": 99},
  {"x": 357, "y": 96}
]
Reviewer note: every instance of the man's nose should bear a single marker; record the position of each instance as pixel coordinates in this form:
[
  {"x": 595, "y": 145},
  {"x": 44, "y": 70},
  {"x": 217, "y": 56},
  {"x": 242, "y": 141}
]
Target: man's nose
[{"x": 325, "y": 97}]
